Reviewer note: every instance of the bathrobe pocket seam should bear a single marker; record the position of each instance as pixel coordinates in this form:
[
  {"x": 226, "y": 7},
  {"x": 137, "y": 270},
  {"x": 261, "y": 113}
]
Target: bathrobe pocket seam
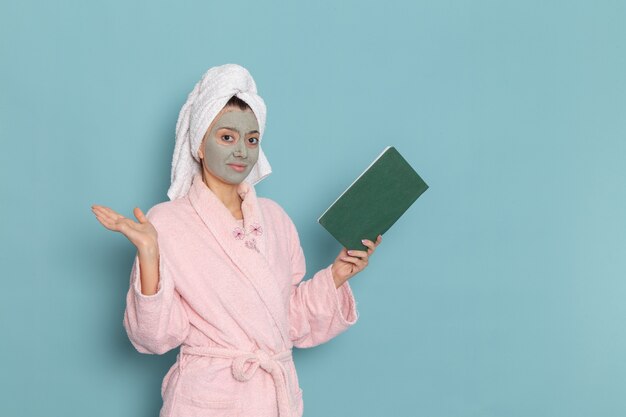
[{"x": 231, "y": 405}]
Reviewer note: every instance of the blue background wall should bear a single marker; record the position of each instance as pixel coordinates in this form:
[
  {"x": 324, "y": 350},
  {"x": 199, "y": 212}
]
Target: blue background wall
[{"x": 501, "y": 292}]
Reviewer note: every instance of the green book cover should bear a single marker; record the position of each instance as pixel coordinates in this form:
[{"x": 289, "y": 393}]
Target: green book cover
[{"x": 374, "y": 201}]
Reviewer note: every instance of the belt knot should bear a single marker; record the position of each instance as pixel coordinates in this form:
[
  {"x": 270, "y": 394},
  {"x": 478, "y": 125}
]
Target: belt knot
[
  {"x": 256, "y": 359},
  {"x": 259, "y": 358},
  {"x": 265, "y": 361}
]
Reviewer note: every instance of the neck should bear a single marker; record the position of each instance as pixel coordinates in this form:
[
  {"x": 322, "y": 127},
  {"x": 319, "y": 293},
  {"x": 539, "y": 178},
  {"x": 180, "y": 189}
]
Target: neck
[{"x": 227, "y": 193}]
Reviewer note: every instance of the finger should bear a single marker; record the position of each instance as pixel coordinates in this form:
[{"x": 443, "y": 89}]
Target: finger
[
  {"x": 111, "y": 219},
  {"x": 99, "y": 213},
  {"x": 96, "y": 207},
  {"x": 108, "y": 219},
  {"x": 342, "y": 252},
  {"x": 358, "y": 253},
  {"x": 140, "y": 216},
  {"x": 356, "y": 261},
  {"x": 106, "y": 222},
  {"x": 101, "y": 220},
  {"x": 378, "y": 240},
  {"x": 369, "y": 244},
  {"x": 108, "y": 213}
]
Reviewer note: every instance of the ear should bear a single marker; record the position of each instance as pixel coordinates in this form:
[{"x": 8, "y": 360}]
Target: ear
[{"x": 201, "y": 151}]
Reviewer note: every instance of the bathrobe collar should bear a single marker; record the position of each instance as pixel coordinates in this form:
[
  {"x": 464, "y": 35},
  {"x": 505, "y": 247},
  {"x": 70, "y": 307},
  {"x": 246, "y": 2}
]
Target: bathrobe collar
[{"x": 246, "y": 246}]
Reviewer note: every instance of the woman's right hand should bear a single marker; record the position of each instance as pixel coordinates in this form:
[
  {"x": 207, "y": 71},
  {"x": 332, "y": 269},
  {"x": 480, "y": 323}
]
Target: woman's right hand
[{"x": 143, "y": 234}]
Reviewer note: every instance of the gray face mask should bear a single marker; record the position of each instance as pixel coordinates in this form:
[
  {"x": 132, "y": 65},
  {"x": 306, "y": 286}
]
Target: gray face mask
[{"x": 231, "y": 148}]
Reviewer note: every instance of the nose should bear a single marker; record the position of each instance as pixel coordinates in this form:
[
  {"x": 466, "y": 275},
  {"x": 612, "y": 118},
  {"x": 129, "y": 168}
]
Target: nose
[{"x": 240, "y": 149}]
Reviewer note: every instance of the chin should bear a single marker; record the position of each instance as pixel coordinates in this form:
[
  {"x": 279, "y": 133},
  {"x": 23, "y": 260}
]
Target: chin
[
  {"x": 236, "y": 181},
  {"x": 232, "y": 180}
]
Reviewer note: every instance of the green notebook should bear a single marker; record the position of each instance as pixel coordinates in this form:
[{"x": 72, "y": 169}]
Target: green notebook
[{"x": 374, "y": 201}]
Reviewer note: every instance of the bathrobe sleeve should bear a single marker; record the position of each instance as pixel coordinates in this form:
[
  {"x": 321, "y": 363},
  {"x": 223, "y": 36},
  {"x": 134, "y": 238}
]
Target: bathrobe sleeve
[
  {"x": 155, "y": 323},
  {"x": 317, "y": 310}
]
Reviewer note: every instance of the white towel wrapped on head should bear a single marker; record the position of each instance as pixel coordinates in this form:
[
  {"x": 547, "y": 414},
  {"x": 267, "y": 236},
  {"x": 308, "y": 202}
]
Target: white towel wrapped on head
[{"x": 205, "y": 101}]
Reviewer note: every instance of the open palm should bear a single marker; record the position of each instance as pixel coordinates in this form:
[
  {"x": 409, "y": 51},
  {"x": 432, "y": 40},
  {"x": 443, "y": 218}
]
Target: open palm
[{"x": 142, "y": 234}]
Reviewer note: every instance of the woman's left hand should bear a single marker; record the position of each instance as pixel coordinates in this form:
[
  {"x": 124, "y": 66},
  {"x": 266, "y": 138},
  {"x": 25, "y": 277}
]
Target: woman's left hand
[{"x": 350, "y": 262}]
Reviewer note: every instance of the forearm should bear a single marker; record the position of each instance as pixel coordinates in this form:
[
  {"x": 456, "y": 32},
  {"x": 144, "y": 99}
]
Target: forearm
[
  {"x": 319, "y": 311},
  {"x": 338, "y": 281},
  {"x": 149, "y": 267},
  {"x": 155, "y": 318}
]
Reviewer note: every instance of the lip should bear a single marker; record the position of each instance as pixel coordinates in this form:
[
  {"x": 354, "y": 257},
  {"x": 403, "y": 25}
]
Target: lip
[{"x": 238, "y": 167}]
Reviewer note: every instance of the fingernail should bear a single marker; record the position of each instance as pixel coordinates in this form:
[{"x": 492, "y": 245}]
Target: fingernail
[
  {"x": 363, "y": 241},
  {"x": 349, "y": 252}
]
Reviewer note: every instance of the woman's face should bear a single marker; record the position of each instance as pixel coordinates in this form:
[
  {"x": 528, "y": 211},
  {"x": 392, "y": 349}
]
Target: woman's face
[{"x": 230, "y": 147}]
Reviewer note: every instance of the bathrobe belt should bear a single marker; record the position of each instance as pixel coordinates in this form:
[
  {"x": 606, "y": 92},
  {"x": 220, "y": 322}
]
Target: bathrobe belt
[{"x": 259, "y": 358}]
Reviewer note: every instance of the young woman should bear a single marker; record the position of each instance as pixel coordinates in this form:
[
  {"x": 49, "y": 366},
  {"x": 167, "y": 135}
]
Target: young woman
[{"x": 220, "y": 271}]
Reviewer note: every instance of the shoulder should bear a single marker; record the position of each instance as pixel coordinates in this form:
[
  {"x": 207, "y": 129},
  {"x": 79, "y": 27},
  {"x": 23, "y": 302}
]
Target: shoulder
[
  {"x": 269, "y": 205},
  {"x": 169, "y": 212},
  {"x": 280, "y": 222},
  {"x": 275, "y": 211}
]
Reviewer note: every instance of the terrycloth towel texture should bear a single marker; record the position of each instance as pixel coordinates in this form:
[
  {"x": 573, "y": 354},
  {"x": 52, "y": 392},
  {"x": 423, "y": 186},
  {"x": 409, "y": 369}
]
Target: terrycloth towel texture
[
  {"x": 205, "y": 101},
  {"x": 233, "y": 295}
]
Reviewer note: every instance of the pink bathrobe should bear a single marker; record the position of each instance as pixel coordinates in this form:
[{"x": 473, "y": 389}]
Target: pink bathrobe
[{"x": 231, "y": 292}]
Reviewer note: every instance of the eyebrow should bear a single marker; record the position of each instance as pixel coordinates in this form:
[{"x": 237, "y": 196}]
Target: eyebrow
[{"x": 235, "y": 130}]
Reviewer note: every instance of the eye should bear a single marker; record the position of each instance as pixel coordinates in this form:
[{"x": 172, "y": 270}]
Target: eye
[
  {"x": 227, "y": 138},
  {"x": 253, "y": 141}
]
